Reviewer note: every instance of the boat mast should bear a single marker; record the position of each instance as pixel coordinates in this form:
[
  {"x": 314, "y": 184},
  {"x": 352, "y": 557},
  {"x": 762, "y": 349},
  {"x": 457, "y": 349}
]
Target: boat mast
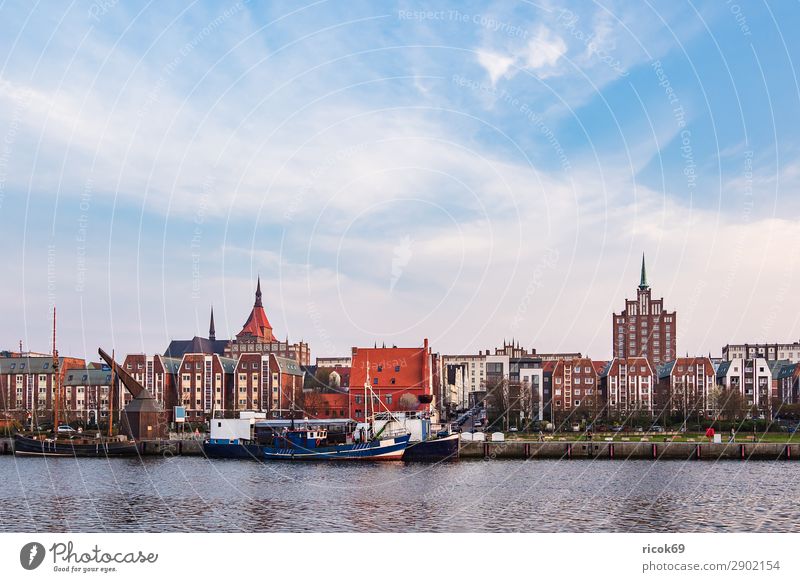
[
  {"x": 111, "y": 390},
  {"x": 56, "y": 378}
]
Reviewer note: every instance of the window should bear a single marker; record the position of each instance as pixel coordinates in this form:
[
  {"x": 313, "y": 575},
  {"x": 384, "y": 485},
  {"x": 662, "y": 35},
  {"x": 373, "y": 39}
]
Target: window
[
  {"x": 388, "y": 399},
  {"x": 397, "y": 368},
  {"x": 380, "y": 368},
  {"x": 374, "y": 381}
]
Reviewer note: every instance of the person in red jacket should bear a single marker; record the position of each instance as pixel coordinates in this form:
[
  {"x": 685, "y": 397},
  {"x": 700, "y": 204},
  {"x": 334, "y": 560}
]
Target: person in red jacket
[{"x": 710, "y": 433}]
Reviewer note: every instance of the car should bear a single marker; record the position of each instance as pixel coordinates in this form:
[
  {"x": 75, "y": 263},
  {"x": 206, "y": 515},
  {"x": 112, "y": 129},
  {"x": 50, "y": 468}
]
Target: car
[
  {"x": 65, "y": 429},
  {"x": 576, "y": 428},
  {"x": 619, "y": 428},
  {"x": 513, "y": 429},
  {"x": 656, "y": 428}
]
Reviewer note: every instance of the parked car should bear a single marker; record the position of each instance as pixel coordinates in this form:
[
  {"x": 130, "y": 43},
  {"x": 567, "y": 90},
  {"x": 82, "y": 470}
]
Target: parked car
[
  {"x": 576, "y": 428},
  {"x": 65, "y": 429},
  {"x": 618, "y": 428},
  {"x": 656, "y": 428},
  {"x": 513, "y": 429}
]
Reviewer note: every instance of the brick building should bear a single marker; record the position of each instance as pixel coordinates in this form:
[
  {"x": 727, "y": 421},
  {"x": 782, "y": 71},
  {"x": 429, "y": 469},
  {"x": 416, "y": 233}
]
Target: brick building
[
  {"x": 400, "y": 378},
  {"x": 27, "y": 385},
  {"x": 644, "y": 329},
  {"x": 575, "y": 385},
  {"x": 686, "y": 387},
  {"x": 628, "y": 385}
]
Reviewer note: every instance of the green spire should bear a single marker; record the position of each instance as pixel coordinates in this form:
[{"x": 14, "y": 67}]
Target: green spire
[{"x": 643, "y": 283}]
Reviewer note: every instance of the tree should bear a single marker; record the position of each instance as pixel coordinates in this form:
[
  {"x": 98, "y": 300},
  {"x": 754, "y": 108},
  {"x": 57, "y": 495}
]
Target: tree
[
  {"x": 729, "y": 403},
  {"x": 407, "y": 402},
  {"x": 497, "y": 399},
  {"x": 310, "y": 403}
]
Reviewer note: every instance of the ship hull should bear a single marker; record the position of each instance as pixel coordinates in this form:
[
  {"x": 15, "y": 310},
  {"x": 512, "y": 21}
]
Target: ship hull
[
  {"x": 389, "y": 449},
  {"x": 443, "y": 449},
  {"x": 24, "y": 446}
]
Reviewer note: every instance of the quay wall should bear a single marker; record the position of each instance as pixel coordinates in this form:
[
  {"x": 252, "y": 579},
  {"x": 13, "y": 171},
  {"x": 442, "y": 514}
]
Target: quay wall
[
  {"x": 547, "y": 450},
  {"x": 628, "y": 450}
]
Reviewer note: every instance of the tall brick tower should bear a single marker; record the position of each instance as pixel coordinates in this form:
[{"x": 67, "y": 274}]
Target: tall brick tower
[{"x": 644, "y": 329}]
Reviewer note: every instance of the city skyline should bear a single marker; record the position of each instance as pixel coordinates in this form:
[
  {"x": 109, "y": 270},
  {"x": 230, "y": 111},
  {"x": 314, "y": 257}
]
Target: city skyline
[{"x": 465, "y": 174}]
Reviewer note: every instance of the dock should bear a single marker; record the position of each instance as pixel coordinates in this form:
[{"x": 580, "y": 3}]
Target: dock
[{"x": 520, "y": 449}]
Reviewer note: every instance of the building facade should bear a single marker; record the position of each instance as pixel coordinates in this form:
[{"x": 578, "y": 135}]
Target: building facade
[
  {"x": 686, "y": 387},
  {"x": 644, "y": 329},
  {"x": 774, "y": 351},
  {"x": 400, "y": 380},
  {"x": 628, "y": 385}
]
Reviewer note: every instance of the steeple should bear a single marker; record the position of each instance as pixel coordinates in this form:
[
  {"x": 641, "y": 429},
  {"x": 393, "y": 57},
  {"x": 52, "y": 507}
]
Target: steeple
[
  {"x": 643, "y": 282},
  {"x": 212, "y": 334},
  {"x": 258, "y": 293}
]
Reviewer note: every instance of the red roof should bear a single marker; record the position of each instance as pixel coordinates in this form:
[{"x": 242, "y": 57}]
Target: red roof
[{"x": 257, "y": 325}]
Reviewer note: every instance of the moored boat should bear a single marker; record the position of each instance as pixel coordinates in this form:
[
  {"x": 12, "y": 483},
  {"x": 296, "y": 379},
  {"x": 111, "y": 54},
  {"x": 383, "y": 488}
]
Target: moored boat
[{"x": 26, "y": 446}]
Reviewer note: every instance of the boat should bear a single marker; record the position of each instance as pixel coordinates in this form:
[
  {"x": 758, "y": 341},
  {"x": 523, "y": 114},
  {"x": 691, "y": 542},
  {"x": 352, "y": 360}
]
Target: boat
[
  {"x": 303, "y": 440},
  {"x": 73, "y": 446},
  {"x": 425, "y": 443},
  {"x": 76, "y": 447},
  {"x": 308, "y": 440}
]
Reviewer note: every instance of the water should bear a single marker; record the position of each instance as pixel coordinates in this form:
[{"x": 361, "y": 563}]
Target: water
[{"x": 195, "y": 494}]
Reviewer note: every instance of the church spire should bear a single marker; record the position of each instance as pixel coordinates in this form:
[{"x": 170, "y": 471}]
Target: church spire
[
  {"x": 212, "y": 334},
  {"x": 258, "y": 293},
  {"x": 643, "y": 282}
]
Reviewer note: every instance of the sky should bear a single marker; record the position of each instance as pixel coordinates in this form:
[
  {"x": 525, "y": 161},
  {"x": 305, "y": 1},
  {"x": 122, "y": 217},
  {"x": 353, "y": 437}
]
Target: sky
[{"x": 466, "y": 172}]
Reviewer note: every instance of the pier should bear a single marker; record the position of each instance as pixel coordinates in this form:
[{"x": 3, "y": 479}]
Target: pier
[{"x": 520, "y": 449}]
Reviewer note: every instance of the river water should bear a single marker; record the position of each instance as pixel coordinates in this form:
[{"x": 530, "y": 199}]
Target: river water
[{"x": 196, "y": 494}]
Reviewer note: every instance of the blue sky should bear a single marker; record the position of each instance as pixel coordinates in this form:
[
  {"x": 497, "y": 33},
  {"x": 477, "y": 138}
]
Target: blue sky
[{"x": 465, "y": 172}]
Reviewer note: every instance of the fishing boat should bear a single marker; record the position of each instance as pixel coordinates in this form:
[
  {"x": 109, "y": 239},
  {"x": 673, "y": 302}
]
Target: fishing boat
[
  {"x": 425, "y": 444},
  {"x": 308, "y": 440}
]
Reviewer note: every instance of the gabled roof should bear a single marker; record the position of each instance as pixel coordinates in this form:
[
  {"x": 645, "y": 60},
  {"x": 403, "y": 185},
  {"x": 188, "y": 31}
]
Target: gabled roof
[
  {"x": 722, "y": 369},
  {"x": 90, "y": 377},
  {"x": 228, "y": 364},
  {"x": 171, "y": 365},
  {"x": 665, "y": 370},
  {"x": 288, "y": 366},
  {"x": 197, "y": 345},
  {"x": 28, "y": 365},
  {"x": 787, "y": 370}
]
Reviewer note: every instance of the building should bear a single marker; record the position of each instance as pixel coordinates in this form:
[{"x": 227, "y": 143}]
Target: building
[
  {"x": 86, "y": 395},
  {"x": 475, "y": 366},
  {"x": 644, "y": 329},
  {"x": 400, "y": 379},
  {"x": 628, "y": 385},
  {"x": 335, "y": 362},
  {"x": 771, "y": 352},
  {"x": 28, "y": 383},
  {"x": 156, "y": 373},
  {"x": 686, "y": 387},
  {"x": 257, "y": 337},
  {"x": 197, "y": 345},
  {"x": 752, "y": 378},
  {"x": 789, "y": 383},
  {"x": 575, "y": 385}
]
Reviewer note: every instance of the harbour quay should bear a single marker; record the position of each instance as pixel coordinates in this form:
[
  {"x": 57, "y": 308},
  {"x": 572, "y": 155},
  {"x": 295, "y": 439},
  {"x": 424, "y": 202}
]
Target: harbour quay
[
  {"x": 566, "y": 450},
  {"x": 621, "y": 451}
]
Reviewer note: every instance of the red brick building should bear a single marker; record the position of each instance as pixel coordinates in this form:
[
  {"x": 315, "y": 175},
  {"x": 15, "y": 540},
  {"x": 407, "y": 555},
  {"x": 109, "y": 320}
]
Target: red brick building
[
  {"x": 644, "y": 329},
  {"x": 575, "y": 384},
  {"x": 27, "y": 385},
  {"x": 400, "y": 378},
  {"x": 686, "y": 387}
]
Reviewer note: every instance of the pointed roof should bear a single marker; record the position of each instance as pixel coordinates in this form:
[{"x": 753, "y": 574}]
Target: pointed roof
[
  {"x": 643, "y": 281},
  {"x": 257, "y": 325},
  {"x": 212, "y": 334}
]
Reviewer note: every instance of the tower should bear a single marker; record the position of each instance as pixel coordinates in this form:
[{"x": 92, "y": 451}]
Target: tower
[
  {"x": 212, "y": 334},
  {"x": 644, "y": 329}
]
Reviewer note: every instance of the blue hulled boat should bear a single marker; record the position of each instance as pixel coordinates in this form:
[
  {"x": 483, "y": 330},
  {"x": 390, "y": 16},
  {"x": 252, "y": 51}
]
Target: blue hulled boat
[{"x": 303, "y": 440}]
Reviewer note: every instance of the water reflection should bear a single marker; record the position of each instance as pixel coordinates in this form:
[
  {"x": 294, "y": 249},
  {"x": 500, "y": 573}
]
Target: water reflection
[{"x": 192, "y": 494}]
